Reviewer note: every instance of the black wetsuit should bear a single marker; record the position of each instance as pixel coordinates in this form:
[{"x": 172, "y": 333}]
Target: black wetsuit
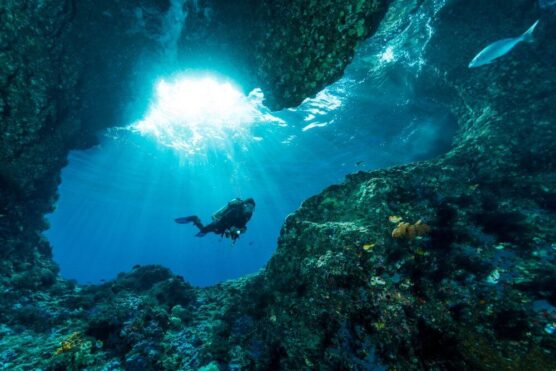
[{"x": 230, "y": 221}]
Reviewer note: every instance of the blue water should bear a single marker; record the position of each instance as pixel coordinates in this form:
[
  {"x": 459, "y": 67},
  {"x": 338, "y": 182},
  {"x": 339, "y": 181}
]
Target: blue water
[{"x": 118, "y": 200}]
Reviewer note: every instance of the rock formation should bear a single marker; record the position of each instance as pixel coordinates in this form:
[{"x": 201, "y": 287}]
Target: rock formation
[{"x": 340, "y": 292}]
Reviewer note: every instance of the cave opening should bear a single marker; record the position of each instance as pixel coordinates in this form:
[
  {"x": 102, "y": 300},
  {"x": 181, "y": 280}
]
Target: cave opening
[
  {"x": 202, "y": 143},
  {"x": 195, "y": 137}
]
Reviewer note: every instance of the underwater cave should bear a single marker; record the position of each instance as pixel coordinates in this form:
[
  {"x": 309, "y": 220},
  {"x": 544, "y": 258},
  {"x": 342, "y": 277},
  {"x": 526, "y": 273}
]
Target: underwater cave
[
  {"x": 202, "y": 143},
  {"x": 383, "y": 162}
]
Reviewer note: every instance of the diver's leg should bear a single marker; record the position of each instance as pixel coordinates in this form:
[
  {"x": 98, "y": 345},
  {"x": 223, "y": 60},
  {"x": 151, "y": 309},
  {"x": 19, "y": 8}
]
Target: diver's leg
[
  {"x": 207, "y": 229},
  {"x": 191, "y": 219}
]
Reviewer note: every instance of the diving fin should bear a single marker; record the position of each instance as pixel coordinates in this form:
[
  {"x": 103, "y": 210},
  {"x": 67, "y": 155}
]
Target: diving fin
[
  {"x": 190, "y": 219},
  {"x": 184, "y": 220}
]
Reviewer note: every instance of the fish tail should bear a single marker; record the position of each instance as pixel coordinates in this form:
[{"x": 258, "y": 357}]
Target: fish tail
[{"x": 528, "y": 35}]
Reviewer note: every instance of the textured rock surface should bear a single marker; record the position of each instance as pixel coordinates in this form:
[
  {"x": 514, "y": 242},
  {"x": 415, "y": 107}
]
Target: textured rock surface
[
  {"x": 435, "y": 301},
  {"x": 37, "y": 95},
  {"x": 312, "y": 51},
  {"x": 60, "y": 81},
  {"x": 290, "y": 49},
  {"x": 340, "y": 292}
]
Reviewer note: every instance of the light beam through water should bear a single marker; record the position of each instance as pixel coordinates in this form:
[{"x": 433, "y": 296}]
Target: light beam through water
[{"x": 191, "y": 114}]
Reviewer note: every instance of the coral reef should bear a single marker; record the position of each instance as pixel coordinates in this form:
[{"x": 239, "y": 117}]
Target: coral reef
[
  {"x": 70, "y": 343},
  {"x": 477, "y": 291},
  {"x": 411, "y": 231}
]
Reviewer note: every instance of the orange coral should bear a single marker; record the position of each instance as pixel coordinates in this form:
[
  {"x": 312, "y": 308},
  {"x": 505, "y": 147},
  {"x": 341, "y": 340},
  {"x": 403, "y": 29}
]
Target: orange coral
[
  {"x": 410, "y": 231},
  {"x": 401, "y": 230},
  {"x": 422, "y": 228},
  {"x": 73, "y": 341}
]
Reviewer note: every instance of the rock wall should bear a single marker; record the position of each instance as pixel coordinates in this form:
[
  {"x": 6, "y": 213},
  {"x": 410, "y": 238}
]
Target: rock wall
[
  {"x": 66, "y": 71},
  {"x": 290, "y": 49},
  {"x": 350, "y": 282},
  {"x": 37, "y": 86},
  {"x": 442, "y": 264}
]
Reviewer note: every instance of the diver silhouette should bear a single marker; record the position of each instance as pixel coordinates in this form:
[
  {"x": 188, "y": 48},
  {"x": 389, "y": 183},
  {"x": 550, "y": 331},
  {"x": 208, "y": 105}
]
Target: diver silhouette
[{"x": 230, "y": 221}]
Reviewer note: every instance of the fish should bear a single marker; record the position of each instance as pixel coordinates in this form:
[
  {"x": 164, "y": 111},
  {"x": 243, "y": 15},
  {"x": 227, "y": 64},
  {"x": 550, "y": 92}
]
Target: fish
[
  {"x": 368, "y": 246},
  {"x": 493, "y": 277},
  {"x": 550, "y": 328},
  {"x": 547, "y": 4},
  {"x": 377, "y": 281},
  {"x": 395, "y": 218},
  {"x": 501, "y": 47}
]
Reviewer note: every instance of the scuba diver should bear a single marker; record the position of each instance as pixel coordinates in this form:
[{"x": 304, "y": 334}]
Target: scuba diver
[{"x": 230, "y": 221}]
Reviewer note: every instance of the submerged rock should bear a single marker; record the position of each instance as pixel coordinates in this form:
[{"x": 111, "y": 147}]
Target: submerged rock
[
  {"x": 340, "y": 292},
  {"x": 290, "y": 49}
]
